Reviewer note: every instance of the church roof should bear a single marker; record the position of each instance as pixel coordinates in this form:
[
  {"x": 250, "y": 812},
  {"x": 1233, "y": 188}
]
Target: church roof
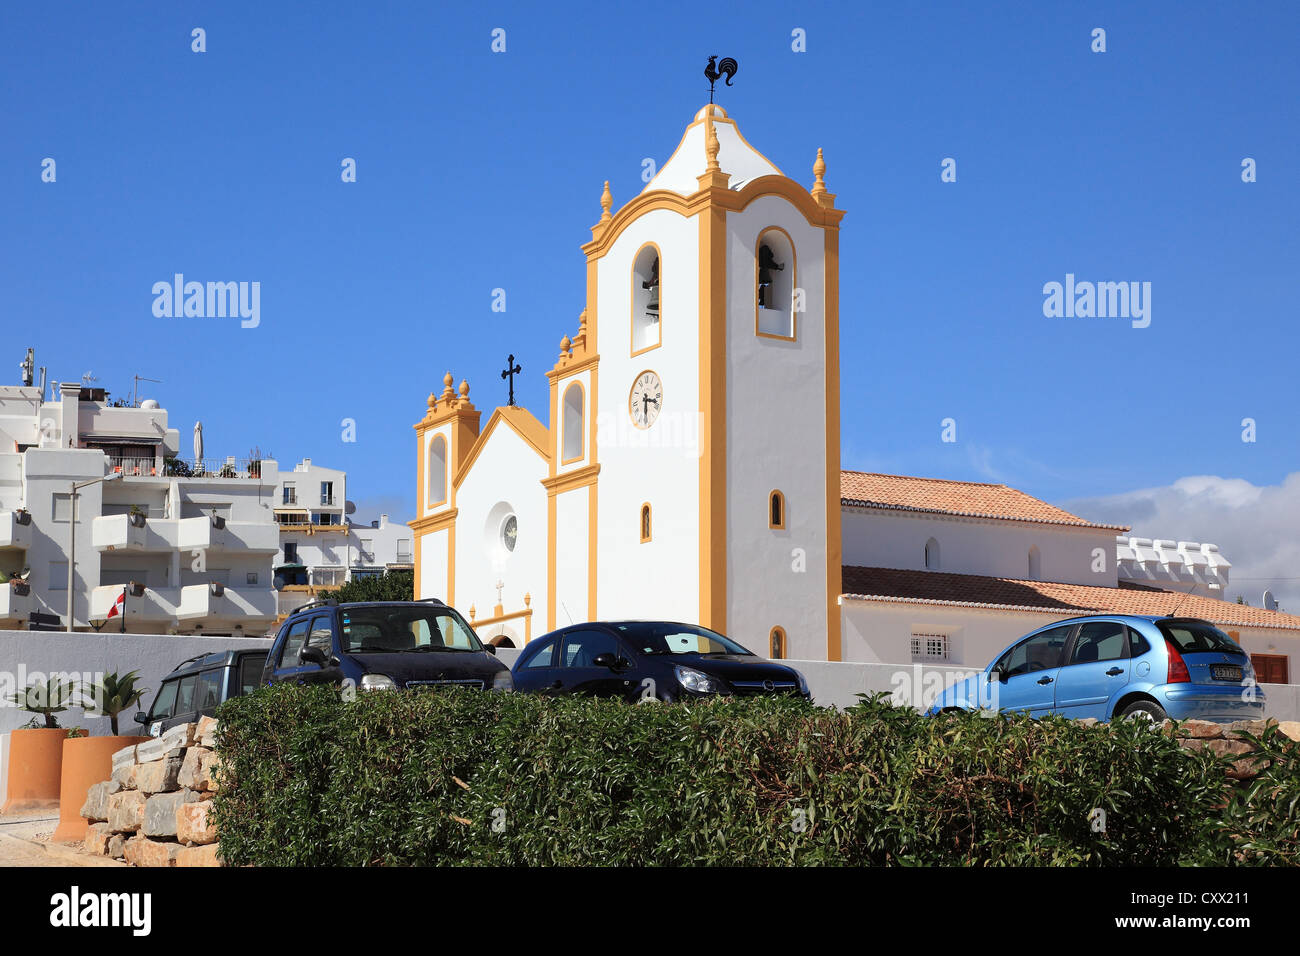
[
  {"x": 689, "y": 161},
  {"x": 894, "y": 585},
  {"x": 967, "y": 498}
]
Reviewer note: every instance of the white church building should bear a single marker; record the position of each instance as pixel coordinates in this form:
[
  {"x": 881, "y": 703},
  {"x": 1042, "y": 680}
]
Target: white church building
[{"x": 689, "y": 466}]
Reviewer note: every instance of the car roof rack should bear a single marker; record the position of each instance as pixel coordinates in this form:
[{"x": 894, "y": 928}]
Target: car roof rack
[{"x": 327, "y": 602}]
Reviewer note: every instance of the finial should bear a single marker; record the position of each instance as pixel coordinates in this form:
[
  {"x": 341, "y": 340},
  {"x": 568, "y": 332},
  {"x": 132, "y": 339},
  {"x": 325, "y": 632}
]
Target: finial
[
  {"x": 819, "y": 192},
  {"x": 464, "y": 389},
  {"x": 711, "y": 144},
  {"x": 566, "y": 346},
  {"x": 582, "y": 323},
  {"x": 528, "y": 599},
  {"x": 471, "y": 612},
  {"x": 432, "y": 402},
  {"x": 446, "y": 387},
  {"x": 606, "y": 202}
]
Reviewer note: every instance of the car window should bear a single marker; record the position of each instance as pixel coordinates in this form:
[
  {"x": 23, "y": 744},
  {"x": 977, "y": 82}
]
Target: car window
[
  {"x": 293, "y": 644},
  {"x": 541, "y": 656},
  {"x": 1040, "y": 652},
  {"x": 250, "y": 672},
  {"x": 1190, "y": 637},
  {"x": 207, "y": 692},
  {"x": 580, "y": 648},
  {"x": 321, "y": 635},
  {"x": 395, "y": 628},
  {"x": 166, "y": 700},
  {"x": 185, "y": 695},
  {"x": 1137, "y": 644},
  {"x": 1100, "y": 641}
]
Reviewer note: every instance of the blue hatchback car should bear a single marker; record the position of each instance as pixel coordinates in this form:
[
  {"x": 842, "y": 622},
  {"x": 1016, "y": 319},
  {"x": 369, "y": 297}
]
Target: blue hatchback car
[{"x": 1106, "y": 666}]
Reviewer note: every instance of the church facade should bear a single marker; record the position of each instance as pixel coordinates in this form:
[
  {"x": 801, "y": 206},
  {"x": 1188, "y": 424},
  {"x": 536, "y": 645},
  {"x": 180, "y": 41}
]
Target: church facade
[
  {"x": 709, "y": 338},
  {"x": 689, "y": 466}
]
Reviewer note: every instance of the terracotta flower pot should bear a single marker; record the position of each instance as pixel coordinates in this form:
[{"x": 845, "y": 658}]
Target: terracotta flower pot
[
  {"x": 35, "y": 762},
  {"x": 86, "y": 762}
]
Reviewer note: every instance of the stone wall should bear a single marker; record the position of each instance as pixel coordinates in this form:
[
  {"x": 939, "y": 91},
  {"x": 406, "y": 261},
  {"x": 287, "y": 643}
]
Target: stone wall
[
  {"x": 155, "y": 810},
  {"x": 1229, "y": 740}
]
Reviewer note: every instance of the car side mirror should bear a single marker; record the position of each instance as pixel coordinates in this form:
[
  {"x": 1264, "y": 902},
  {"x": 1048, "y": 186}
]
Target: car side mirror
[
  {"x": 606, "y": 660},
  {"x": 491, "y": 649},
  {"x": 312, "y": 655},
  {"x": 141, "y": 717},
  {"x": 997, "y": 675}
]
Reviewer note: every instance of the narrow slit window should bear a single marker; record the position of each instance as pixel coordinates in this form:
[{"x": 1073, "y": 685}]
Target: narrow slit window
[
  {"x": 776, "y": 644},
  {"x": 776, "y": 510},
  {"x": 645, "y": 523}
]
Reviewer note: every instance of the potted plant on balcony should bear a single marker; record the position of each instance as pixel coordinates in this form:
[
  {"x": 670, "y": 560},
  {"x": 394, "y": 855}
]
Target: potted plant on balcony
[
  {"x": 137, "y": 516},
  {"x": 89, "y": 760},
  {"x": 22, "y": 516},
  {"x": 17, "y": 581},
  {"x": 36, "y": 752}
]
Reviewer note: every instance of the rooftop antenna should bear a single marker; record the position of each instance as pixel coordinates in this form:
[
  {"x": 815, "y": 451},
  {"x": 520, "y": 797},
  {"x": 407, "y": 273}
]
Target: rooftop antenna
[
  {"x": 88, "y": 377},
  {"x": 27, "y": 365},
  {"x": 135, "y": 388},
  {"x": 1270, "y": 602}
]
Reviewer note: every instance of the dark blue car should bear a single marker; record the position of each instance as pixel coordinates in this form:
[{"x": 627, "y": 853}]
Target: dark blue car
[{"x": 1106, "y": 666}]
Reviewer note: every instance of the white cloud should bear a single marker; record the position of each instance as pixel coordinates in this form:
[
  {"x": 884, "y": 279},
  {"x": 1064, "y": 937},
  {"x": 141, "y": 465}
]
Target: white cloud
[{"x": 1257, "y": 527}]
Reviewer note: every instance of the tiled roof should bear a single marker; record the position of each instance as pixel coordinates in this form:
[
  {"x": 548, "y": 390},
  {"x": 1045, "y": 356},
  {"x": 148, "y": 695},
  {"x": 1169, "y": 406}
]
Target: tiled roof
[
  {"x": 974, "y": 590},
  {"x": 968, "y": 498}
]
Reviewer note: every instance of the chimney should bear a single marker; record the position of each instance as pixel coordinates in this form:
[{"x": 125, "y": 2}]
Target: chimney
[
  {"x": 69, "y": 427},
  {"x": 383, "y": 521}
]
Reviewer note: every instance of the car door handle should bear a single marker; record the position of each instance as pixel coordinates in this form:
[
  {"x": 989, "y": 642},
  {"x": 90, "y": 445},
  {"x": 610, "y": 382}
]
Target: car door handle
[
  {"x": 1044, "y": 680},
  {"x": 1114, "y": 671}
]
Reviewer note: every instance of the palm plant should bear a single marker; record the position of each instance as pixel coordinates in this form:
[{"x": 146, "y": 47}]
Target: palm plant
[
  {"x": 46, "y": 699},
  {"x": 112, "y": 695}
]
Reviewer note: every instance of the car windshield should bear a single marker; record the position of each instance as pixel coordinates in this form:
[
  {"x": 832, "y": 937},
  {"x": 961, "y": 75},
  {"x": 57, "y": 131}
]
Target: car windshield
[
  {"x": 663, "y": 638},
  {"x": 388, "y": 629},
  {"x": 1191, "y": 636}
]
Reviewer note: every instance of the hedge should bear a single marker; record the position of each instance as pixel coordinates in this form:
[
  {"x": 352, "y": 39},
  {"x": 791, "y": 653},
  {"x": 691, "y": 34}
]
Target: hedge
[{"x": 466, "y": 777}]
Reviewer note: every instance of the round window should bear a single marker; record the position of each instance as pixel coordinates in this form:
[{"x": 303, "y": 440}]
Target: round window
[{"x": 509, "y": 532}]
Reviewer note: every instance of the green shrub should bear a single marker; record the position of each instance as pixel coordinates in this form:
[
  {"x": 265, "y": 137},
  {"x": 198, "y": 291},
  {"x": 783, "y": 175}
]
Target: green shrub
[{"x": 401, "y": 778}]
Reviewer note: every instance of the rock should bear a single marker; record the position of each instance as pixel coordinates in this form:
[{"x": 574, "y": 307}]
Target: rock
[
  {"x": 124, "y": 776},
  {"x": 159, "y": 776},
  {"x": 212, "y": 772},
  {"x": 1087, "y": 721},
  {"x": 191, "y": 775},
  {"x": 124, "y": 757},
  {"x": 96, "y": 806},
  {"x": 160, "y": 812},
  {"x": 199, "y": 855},
  {"x": 142, "y": 852},
  {"x": 167, "y": 745},
  {"x": 1226, "y": 748},
  {"x": 97, "y": 837},
  {"x": 116, "y": 846},
  {"x": 1255, "y": 728},
  {"x": 1290, "y": 728},
  {"x": 1200, "y": 729},
  {"x": 205, "y": 732},
  {"x": 126, "y": 811},
  {"x": 194, "y": 823}
]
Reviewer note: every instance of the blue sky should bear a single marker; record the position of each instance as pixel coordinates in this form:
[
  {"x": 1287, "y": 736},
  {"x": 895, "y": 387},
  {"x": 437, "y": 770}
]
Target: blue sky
[{"x": 479, "y": 170}]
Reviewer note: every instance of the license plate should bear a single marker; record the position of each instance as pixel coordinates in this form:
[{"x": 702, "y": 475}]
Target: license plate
[{"x": 1225, "y": 672}]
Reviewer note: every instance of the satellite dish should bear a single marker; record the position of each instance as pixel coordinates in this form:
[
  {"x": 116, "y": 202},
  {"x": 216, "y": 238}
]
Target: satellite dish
[
  {"x": 1270, "y": 602},
  {"x": 349, "y": 507}
]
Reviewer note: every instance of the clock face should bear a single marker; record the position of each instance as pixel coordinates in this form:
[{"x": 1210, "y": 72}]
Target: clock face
[{"x": 646, "y": 399}]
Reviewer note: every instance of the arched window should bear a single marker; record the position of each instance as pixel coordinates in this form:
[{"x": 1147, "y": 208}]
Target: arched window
[
  {"x": 436, "y": 492},
  {"x": 775, "y": 283},
  {"x": 776, "y": 644},
  {"x": 645, "y": 299},
  {"x": 572, "y": 439},
  {"x": 776, "y": 510},
  {"x": 645, "y": 522},
  {"x": 1035, "y": 564},
  {"x": 932, "y": 555}
]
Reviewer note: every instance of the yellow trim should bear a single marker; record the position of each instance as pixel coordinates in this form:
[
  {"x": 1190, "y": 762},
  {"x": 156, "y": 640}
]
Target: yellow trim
[
  {"x": 794, "y": 285},
  {"x": 577, "y": 478},
  {"x": 591, "y": 549},
  {"x": 771, "y": 646},
  {"x": 525, "y": 615},
  {"x": 446, "y": 466},
  {"x": 636, "y": 378},
  {"x": 533, "y": 432},
  {"x": 551, "y": 524},
  {"x": 566, "y": 370},
  {"x": 719, "y": 115},
  {"x": 776, "y": 493},
  {"x": 564, "y": 427},
  {"x": 834, "y": 548},
  {"x": 433, "y": 522},
  {"x": 631, "y": 314},
  {"x": 645, "y": 519},
  {"x": 713, "y": 403}
]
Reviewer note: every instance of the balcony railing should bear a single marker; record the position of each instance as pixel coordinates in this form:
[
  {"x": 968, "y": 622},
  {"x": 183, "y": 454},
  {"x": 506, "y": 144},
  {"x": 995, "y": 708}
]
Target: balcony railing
[
  {"x": 327, "y": 501},
  {"x": 213, "y": 467},
  {"x": 404, "y": 557},
  {"x": 133, "y": 466}
]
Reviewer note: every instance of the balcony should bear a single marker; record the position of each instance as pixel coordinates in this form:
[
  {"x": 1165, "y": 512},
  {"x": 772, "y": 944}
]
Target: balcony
[
  {"x": 13, "y": 605},
  {"x": 248, "y": 468},
  {"x": 15, "y": 529},
  {"x": 119, "y": 532},
  {"x": 188, "y": 605}
]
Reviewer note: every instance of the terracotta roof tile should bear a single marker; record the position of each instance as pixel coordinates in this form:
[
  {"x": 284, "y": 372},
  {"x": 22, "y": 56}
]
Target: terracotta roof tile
[
  {"x": 974, "y": 590},
  {"x": 967, "y": 498}
]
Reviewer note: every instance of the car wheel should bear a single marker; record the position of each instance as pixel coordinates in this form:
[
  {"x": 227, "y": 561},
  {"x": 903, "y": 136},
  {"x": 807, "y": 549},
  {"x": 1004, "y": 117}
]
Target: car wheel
[{"x": 1145, "y": 709}]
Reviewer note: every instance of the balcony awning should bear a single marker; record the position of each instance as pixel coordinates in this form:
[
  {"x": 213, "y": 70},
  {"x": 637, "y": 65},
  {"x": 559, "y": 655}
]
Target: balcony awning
[
  {"x": 291, "y": 511},
  {"x": 290, "y": 567}
]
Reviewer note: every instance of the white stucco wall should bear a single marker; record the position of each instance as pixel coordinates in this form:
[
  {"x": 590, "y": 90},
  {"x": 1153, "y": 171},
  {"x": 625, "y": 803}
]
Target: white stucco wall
[
  {"x": 572, "y": 546},
  {"x": 884, "y": 539}
]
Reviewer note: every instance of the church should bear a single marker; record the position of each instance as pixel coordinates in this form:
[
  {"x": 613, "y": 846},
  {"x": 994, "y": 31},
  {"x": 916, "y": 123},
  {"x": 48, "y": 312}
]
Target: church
[{"x": 673, "y": 481}]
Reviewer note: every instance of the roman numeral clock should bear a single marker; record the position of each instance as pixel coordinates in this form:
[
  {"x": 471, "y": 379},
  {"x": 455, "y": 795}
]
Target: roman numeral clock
[{"x": 645, "y": 399}]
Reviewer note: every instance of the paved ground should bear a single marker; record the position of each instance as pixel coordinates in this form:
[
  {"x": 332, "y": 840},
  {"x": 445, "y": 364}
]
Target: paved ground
[{"x": 24, "y": 842}]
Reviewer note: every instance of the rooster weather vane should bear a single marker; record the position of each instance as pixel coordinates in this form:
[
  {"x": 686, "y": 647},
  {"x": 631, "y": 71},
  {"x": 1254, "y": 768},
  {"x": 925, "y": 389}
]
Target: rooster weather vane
[{"x": 727, "y": 67}]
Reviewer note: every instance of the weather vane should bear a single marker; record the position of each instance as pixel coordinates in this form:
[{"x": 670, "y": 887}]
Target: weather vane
[{"x": 727, "y": 67}]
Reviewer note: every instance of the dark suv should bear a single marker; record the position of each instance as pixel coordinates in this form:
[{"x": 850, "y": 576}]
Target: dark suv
[
  {"x": 198, "y": 685},
  {"x": 383, "y": 645}
]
